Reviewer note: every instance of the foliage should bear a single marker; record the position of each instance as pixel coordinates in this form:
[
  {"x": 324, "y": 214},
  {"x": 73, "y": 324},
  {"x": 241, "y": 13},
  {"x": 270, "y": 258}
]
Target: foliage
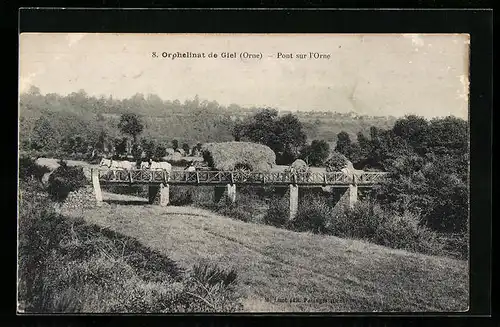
[
  {"x": 429, "y": 189},
  {"x": 180, "y": 196},
  {"x": 411, "y": 128},
  {"x": 159, "y": 152},
  {"x": 428, "y": 162},
  {"x": 29, "y": 169},
  {"x": 175, "y": 144},
  {"x": 313, "y": 215},
  {"x": 120, "y": 147},
  {"x": 44, "y": 135},
  {"x": 316, "y": 153},
  {"x": 130, "y": 124},
  {"x": 343, "y": 145},
  {"x": 247, "y": 207},
  {"x": 65, "y": 179},
  {"x": 336, "y": 162},
  {"x": 211, "y": 274},
  {"x": 284, "y": 135},
  {"x": 81, "y": 114},
  {"x": 278, "y": 212}
]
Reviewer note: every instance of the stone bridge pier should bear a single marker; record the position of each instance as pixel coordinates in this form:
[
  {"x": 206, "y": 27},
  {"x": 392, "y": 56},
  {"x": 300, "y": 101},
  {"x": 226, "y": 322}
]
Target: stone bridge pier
[
  {"x": 159, "y": 194},
  {"x": 229, "y": 191},
  {"x": 347, "y": 197}
]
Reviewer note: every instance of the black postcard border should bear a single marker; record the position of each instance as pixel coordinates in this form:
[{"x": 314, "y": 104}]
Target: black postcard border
[{"x": 477, "y": 22}]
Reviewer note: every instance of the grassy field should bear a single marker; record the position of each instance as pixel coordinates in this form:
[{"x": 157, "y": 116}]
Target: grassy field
[{"x": 278, "y": 270}]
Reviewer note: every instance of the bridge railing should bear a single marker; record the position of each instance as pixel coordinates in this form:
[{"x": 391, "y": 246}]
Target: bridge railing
[{"x": 236, "y": 177}]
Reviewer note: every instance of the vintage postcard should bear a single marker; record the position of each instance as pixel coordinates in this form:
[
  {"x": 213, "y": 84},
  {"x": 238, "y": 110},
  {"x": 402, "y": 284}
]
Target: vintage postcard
[{"x": 167, "y": 173}]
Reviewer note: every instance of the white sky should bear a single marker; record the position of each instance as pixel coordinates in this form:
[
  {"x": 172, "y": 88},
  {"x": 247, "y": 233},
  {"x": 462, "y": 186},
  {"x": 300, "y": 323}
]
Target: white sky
[{"x": 368, "y": 74}]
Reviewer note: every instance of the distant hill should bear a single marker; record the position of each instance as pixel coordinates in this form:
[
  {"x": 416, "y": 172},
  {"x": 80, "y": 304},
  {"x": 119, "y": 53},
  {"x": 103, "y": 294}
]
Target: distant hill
[{"x": 191, "y": 122}]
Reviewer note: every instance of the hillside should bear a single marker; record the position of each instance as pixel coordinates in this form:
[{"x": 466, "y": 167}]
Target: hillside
[
  {"x": 346, "y": 275},
  {"x": 192, "y": 121}
]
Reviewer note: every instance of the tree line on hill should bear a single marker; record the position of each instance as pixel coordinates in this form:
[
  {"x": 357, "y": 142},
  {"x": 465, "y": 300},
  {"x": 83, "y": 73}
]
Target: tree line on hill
[{"x": 194, "y": 121}]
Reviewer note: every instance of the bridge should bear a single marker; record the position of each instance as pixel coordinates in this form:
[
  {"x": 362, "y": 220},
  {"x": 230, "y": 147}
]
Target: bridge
[{"x": 159, "y": 181}]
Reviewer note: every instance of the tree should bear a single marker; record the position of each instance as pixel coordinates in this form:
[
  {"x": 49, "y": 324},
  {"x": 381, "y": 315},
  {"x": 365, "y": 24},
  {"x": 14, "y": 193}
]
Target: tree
[
  {"x": 449, "y": 135},
  {"x": 149, "y": 148},
  {"x": 68, "y": 144},
  {"x": 101, "y": 141},
  {"x": 316, "y": 153},
  {"x": 185, "y": 147},
  {"x": 136, "y": 152},
  {"x": 120, "y": 147},
  {"x": 343, "y": 144},
  {"x": 44, "y": 135},
  {"x": 291, "y": 134},
  {"x": 284, "y": 135},
  {"x": 160, "y": 152},
  {"x": 412, "y": 129},
  {"x": 175, "y": 144},
  {"x": 130, "y": 124},
  {"x": 336, "y": 162}
]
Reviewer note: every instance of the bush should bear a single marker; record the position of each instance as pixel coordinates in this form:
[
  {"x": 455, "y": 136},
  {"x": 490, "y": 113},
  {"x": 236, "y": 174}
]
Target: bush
[
  {"x": 405, "y": 232},
  {"x": 457, "y": 245},
  {"x": 181, "y": 195},
  {"x": 370, "y": 222},
  {"x": 314, "y": 214},
  {"x": 278, "y": 212},
  {"x": 29, "y": 169},
  {"x": 362, "y": 221},
  {"x": 65, "y": 179},
  {"x": 248, "y": 207}
]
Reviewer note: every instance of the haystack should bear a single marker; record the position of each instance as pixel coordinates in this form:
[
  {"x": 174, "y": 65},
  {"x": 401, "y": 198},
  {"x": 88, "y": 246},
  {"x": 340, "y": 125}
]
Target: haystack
[
  {"x": 231, "y": 155},
  {"x": 299, "y": 165}
]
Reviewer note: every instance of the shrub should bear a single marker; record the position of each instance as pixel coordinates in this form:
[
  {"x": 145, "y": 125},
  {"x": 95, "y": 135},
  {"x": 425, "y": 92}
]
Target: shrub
[
  {"x": 314, "y": 214},
  {"x": 248, "y": 207},
  {"x": 457, "y": 245},
  {"x": 181, "y": 195},
  {"x": 362, "y": 221},
  {"x": 278, "y": 212},
  {"x": 29, "y": 169},
  {"x": 405, "y": 232},
  {"x": 65, "y": 179}
]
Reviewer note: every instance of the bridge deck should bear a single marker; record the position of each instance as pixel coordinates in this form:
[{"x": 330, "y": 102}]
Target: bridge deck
[{"x": 137, "y": 176}]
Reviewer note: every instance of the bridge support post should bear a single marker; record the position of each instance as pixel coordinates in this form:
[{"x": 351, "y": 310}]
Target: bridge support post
[
  {"x": 159, "y": 194},
  {"x": 164, "y": 195},
  {"x": 231, "y": 192},
  {"x": 353, "y": 195},
  {"x": 97, "y": 186},
  {"x": 294, "y": 201}
]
